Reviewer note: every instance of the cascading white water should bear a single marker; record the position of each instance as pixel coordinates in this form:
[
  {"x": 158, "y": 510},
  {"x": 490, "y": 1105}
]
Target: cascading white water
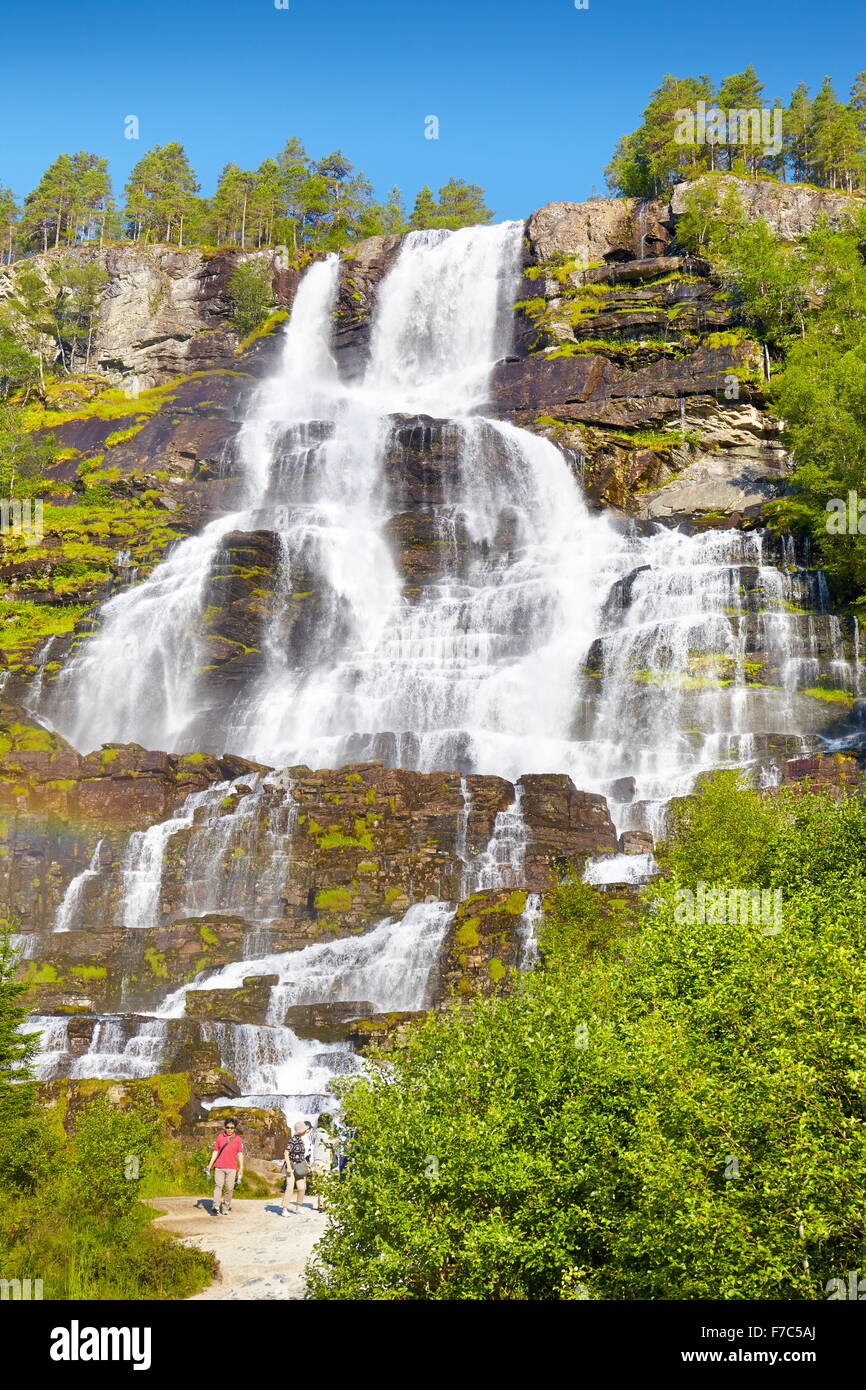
[
  {"x": 482, "y": 668},
  {"x": 500, "y": 864},
  {"x": 389, "y": 968},
  {"x": 136, "y": 678},
  {"x": 547, "y": 639},
  {"x": 145, "y": 859},
  {"x": 68, "y": 912}
]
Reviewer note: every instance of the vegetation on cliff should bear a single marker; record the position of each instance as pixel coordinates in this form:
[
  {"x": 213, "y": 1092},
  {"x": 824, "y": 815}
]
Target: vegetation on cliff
[
  {"x": 823, "y": 140},
  {"x": 807, "y": 302},
  {"x": 667, "y": 1112},
  {"x": 295, "y": 199}
]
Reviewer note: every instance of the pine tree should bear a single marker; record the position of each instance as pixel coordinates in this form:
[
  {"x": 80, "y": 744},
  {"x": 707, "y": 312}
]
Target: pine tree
[
  {"x": 394, "y": 219},
  {"x": 17, "y": 1049},
  {"x": 161, "y": 194},
  {"x": 294, "y": 173},
  {"x": 462, "y": 205},
  {"x": 9, "y": 215},
  {"x": 265, "y": 202},
  {"x": 826, "y": 111},
  {"x": 425, "y": 213},
  {"x": 795, "y": 126},
  {"x": 742, "y": 92}
]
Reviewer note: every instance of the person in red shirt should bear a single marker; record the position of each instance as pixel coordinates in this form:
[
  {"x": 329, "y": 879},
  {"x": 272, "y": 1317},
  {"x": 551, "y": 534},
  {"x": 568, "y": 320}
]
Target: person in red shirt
[{"x": 227, "y": 1162}]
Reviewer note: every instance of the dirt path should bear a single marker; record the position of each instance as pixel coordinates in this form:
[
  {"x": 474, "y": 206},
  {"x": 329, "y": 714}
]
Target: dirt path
[{"x": 261, "y": 1254}]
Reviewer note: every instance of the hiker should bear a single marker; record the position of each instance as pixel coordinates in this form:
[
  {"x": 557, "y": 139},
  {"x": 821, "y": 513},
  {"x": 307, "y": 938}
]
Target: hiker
[
  {"x": 322, "y": 1154},
  {"x": 345, "y": 1138},
  {"x": 227, "y": 1162},
  {"x": 297, "y": 1165}
]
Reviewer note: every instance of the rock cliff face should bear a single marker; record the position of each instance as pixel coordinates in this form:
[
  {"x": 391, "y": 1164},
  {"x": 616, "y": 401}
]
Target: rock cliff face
[{"x": 163, "y": 310}]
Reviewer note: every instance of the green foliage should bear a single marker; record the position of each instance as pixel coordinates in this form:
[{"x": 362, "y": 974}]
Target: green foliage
[
  {"x": 161, "y": 195},
  {"x": 672, "y": 1112},
  {"x": 251, "y": 294},
  {"x": 460, "y": 205},
  {"x": 70, "y": 203},
  {"x": 823, "y": 141},
  {"x": 16, "y": 1049},
  {"x": 821, "y": 397},
  {"x": 70, "y": 1208},
  {"x": 766, "y": 277},
  {"x": 23, "y": 457}
]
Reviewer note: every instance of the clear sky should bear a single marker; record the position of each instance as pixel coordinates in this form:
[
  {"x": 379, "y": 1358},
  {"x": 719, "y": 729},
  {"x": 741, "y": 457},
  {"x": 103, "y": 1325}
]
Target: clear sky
[{"x": 530, "y": 97}]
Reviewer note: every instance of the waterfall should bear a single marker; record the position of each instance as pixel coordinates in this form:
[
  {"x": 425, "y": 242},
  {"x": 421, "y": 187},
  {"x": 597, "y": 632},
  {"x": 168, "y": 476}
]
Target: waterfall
[
  {"x": 144, "y": 862},
  {"x": 116, "y": 1055},
  {"x": 538, "y": 637},
  {"x": 545, "y": 631},
  {"x": 390, "y": 967},
  {"x": 53, "y": 1044},
  {"x": 620, "y": 868},
  {"x": 136, "y": 678},
  {"x": 529, "y": 921},
  {"x": 500, "y": 864},
  {"x": 68, "y": 912}
]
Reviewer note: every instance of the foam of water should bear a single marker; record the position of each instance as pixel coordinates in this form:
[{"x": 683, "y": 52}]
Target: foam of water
[
  {"x": 68, "y": 912},
  {"x": 620, "y": 868}
]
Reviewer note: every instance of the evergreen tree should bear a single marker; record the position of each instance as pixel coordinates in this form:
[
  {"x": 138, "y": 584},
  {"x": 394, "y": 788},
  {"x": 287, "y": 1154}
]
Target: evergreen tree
[
  {"x": 462, "y": 205},
  {"x": 226, "y": 205},
  {"x": 294, "y": 166},
  {"x": 9, "y": 215},
  {"x": 825, "y": 115},
  {"x": 742, "y": 91},
  {"x": 69, "y": 203},
  {"x": 265, "y": 202},
  {"x": 795, "y": 126},
  {"x": 394, "y": 219},
  {"x": 161, "y": 194},
  {"x": 17, "y": 1049},
  {"x": 425, "y": 212}
]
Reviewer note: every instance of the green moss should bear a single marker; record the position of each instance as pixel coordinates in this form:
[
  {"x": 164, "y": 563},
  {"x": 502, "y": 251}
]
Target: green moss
[
  {"x": 121, "y": 436},
  {"x": 368, "y": 866},
  {"x": 467, "y": 932},
  {"x": 840, "y": 697},
  {"x": 516, "y": 904},
  {"x": 40, "y": 974},
  {"x": 335, "y": 899},
  {"x": 496, "y": 970},
  {"x": 209, "y": 937},
  {"x": 263, "y": 330},
  {"x": 371, "y": 796},
  {"x": 156, "y": 961},
  {"x": 89, "y": 972}
]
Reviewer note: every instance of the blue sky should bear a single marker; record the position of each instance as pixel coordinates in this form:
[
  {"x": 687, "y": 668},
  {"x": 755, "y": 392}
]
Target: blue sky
[{"x": 530, "y": 97}]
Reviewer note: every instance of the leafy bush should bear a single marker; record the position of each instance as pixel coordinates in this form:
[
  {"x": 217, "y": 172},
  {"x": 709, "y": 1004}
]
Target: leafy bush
[
  {"x": 250, "y": 292},
  {"x": 675, "y": 1113}
]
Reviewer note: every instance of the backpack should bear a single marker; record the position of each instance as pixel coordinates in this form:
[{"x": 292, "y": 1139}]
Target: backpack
[{"x": 297, "y": 1157}]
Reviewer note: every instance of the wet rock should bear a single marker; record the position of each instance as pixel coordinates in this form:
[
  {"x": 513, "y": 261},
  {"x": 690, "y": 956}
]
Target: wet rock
[{"x": 483, "y": 947}]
